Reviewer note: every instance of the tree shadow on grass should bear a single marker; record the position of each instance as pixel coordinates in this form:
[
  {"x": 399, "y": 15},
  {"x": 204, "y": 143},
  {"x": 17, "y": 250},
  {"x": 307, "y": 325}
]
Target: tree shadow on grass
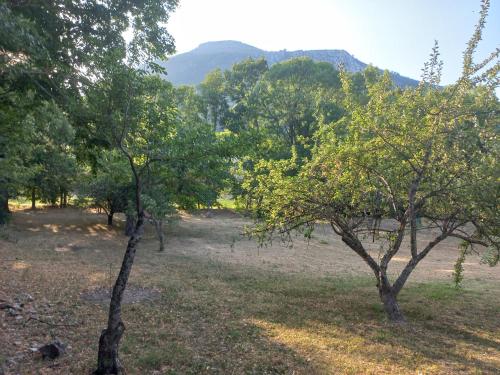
[{"x": 322, "y": 316}]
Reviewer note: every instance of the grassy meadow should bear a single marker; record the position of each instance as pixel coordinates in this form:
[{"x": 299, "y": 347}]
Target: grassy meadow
[{"x": 227, "y": 307}]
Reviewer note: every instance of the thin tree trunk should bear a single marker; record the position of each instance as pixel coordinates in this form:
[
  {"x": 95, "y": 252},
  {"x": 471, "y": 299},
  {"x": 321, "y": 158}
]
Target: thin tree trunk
[
  {"x": 110, "y": 218},
  {"x": 159, "y": 232},
  {"x": 33, "y": 198},
  {"x": 61, "y": 199},
  {"x": 65, "y": 201},
  {"x": 108, "y": 361},
  {"x": 4, "y": 206},
  {"x": 129, "y": 225},
  {"x": 5, "y": 203}
]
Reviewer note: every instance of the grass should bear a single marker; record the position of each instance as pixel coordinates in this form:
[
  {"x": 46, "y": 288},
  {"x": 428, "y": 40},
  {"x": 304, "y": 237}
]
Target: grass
[
  {"x": 215, "y": 317},
  {"x": 229, "y": 203}
]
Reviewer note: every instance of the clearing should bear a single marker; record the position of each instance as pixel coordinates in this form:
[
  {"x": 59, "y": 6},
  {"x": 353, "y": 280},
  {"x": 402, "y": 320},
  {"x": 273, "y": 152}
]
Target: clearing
[{"x": 214, "y": 303}]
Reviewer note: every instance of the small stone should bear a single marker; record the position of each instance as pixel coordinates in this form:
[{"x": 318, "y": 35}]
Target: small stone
[
  {"x": 17, "y": 343},
  {"x": 11, "y": 362},
  {"x": 52, "y": 350},
  {"x": 12, "y": 312}
]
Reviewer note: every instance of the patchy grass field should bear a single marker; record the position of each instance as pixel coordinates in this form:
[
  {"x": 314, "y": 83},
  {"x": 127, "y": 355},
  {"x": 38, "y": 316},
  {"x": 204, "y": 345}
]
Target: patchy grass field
[{"x": 223, "y": 306}]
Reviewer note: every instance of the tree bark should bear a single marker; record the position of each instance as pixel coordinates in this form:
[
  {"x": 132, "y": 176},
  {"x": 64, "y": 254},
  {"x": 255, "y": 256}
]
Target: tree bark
[
  {"x": 65, "y": 201},
  {"x": 159, "y": 232},
  {"x": 391, "y": 306},
  {"x": 4, "y": 206},
  {"x": 129, "y": 225},
  {"x": 33, "y": 199},
  {"x": 110, "y": 218},
  {"x": 108, "y": 361}
]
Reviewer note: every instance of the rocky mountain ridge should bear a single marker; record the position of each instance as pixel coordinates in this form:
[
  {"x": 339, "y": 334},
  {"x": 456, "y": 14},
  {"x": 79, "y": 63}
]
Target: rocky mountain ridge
[{"x": 190, "y": 68}]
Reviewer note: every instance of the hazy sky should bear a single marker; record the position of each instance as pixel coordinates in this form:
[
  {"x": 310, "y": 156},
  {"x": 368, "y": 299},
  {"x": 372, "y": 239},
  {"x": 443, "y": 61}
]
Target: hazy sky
[{"x": 391, "y": 34}]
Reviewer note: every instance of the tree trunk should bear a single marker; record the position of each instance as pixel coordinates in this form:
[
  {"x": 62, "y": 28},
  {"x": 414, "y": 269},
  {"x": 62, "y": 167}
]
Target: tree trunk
[
  {"x": 4, "y": 206},
  {"x": 107, "y": 360},
  {"x": 159, "y": 232},
  {"x": 61, "y": 199},
  {"x": 33, "y": 199},
  {"x": 391, "y": 306},
  {"x": 129, "y": 225},
  {"x": 110, "y": 218},
  {"x": 65, "y": 201}
]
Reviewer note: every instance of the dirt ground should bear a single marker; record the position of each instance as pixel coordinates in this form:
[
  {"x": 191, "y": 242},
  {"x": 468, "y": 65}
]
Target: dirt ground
[
  {"x": 58, "y": 256},
  {"x": 218, "y": 236}
]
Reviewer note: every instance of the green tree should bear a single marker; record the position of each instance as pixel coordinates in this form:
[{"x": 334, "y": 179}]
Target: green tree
[
  {"x": 136, "y": 114},
  {"x": 427, "y": 153},
  {"x": 190, "y": 104},
  {"x": 47, "y": 156},
  {"x": 293, "y": 97},
  {"x": 193, "y": 174},
  {"x": 287, "y": 104},
  {"x": 240, "y": 84},
  {"x": 14, "y": 130},
  {"x": 53, "y": 50},
  {"x": 109, "y": 186},
  {"x": 212, "y": 91}
]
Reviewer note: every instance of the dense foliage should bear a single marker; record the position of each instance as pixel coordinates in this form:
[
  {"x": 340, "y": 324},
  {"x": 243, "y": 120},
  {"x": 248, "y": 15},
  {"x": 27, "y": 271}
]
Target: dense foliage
[{"x": 396, "y": 162}]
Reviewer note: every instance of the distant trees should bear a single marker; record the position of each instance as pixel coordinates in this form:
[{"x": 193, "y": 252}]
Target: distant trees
[
  {"x": 109, "y": 186},
  {"x": 241, "y": 82},
  {"x": 48, "y": 161},
  {"x": 293, "y": 97},
  {"x": 212, "y": 92},
  {"x": 397, "y": 157}
]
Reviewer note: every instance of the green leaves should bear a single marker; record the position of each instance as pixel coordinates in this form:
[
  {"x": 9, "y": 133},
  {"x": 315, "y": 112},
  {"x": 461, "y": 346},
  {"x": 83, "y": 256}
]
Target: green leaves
[{"x": 424, "y": 152}]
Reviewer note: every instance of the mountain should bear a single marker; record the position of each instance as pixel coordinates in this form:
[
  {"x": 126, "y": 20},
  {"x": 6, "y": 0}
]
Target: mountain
[{"x": 190, "y": 68}]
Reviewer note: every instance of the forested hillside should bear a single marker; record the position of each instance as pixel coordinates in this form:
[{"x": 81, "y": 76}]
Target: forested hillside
[{"x": 191, "y": 67}]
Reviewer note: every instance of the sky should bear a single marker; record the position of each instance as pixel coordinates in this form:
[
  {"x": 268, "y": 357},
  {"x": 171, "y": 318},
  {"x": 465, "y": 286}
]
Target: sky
[{"x": 392, "y": 34}]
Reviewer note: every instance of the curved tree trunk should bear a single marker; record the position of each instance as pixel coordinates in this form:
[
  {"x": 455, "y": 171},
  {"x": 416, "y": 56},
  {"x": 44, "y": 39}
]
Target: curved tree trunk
[{"x": 108, "y": 361}]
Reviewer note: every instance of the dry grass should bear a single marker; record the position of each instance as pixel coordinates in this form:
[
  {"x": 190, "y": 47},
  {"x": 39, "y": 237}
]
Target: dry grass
[{"x": 228, "y": 308}]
